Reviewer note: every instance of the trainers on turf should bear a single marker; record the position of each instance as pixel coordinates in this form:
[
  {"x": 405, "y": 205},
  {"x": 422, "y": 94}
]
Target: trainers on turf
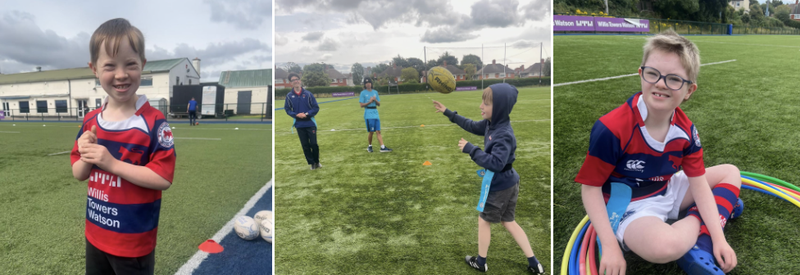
[
  {"x": 737, "y": 209},
  {"x": 318, "y": 165},
  {"x": 313, "y": 167},
  {"x": 385, "y": 150},
  {"x": 699, "y": 262},
  {"x": 369, "y": 149},
  {"x": 473, "y": 262},
  {"x": 539, "y": 269}
]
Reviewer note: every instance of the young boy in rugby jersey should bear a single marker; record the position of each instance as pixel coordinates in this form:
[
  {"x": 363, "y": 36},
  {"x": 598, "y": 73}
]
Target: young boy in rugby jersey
[
  {"x": 126, "y": 151},
  {"x": 498, "y": 156},
  {"x": 650, "y": 147}
]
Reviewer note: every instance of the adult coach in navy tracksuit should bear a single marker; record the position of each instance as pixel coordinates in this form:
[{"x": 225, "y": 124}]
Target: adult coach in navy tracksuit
[{"x": 302, "y": 106}]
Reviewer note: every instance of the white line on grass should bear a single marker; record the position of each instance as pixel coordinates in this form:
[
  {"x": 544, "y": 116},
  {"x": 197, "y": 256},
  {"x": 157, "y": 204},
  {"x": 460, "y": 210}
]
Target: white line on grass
[
  {"x": 199, "y": 256},
  {"x": 406, "y": 127},
  {"x": 197, "y": 138},
  {"x": 9, "y": 132},
  {"x": 747, "y": 44},
  {"x": 626, "y": 75},
  {"x": 59, "y": 153}
]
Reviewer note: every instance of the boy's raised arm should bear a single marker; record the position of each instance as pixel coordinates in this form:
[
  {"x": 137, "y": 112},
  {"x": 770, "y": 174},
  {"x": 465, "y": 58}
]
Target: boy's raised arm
[{"x": 475, "y": 127}]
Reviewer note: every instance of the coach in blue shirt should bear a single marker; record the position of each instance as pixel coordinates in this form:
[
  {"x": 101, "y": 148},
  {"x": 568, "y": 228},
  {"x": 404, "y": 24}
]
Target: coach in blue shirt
[
  {"x": 192, "y": 107},
  {"x": 302, "y": 106}
]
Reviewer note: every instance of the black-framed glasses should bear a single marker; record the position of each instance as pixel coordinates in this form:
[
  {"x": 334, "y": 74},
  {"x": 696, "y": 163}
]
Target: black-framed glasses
[
  {"x": 673, "y": 81},
  {"x": 293, "y": 80}
]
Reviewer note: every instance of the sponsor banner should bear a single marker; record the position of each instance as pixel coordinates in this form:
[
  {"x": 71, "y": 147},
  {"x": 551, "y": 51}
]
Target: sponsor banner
[
  {"x": 343, "y": 94},
  {"x": 603, "y": 24},
  {"x": 573, "y": 23},
  {"x": 600, "y": 24},
  {"x": 467, "y": 88}
]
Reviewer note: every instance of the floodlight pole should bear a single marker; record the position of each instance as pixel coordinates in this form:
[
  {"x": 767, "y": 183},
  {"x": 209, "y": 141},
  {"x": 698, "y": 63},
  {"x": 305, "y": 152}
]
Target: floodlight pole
[
  {"x": 484, "y": 67},
  {"x": 606, "y": 1},
  {"x": 541, "y": 64},
  {"x": 504, "y": 62}
]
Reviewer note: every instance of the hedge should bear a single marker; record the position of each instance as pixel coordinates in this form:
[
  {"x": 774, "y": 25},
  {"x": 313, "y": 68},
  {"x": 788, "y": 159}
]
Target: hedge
[{"x": 413, "y": 87}]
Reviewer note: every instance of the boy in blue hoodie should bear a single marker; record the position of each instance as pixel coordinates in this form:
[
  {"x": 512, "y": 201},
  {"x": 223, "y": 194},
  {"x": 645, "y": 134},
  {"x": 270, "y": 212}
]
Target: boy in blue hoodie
[
  {"x": 498, "y": 203},
  {"x": 302, "y": 106}
]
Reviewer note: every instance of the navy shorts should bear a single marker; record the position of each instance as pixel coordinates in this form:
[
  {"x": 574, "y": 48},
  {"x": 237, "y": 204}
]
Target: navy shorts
[
  {"x": 373, "y": 125},
  {"x": 501, "y": 205}
]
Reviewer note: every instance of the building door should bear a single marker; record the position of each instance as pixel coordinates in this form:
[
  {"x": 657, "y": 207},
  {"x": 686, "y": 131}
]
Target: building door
[
  {"x": 243, "y": 103},
  {"x": 82, "y": 108},
  {"x": 6, "y": 109}
]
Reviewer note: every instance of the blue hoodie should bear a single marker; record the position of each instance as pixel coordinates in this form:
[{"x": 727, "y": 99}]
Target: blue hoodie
[
  {"x": 303, "y": 103},
  {"x": 498, "y": 140}
]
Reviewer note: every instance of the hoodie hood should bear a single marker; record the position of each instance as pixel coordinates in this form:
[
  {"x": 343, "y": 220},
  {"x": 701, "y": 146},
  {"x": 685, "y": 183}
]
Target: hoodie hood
[{"x": 504, "y": 96}]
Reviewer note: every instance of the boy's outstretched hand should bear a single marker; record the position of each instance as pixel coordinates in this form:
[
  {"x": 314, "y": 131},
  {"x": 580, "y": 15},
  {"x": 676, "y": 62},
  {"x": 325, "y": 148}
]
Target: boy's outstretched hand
[
  {"x": 88, "y": 137},
  {"x": 439, "y": 107},
  {"x": 462, "y": 143}
]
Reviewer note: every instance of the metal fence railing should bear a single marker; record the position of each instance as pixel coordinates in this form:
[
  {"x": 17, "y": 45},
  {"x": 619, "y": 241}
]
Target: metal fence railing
[{"x": 231, "y": 111}]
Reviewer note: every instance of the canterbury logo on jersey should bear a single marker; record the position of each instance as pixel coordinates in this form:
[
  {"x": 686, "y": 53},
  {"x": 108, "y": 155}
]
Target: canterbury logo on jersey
[
  {"x": 635, "y": 165},
  {"x": 105, "y": 178}
]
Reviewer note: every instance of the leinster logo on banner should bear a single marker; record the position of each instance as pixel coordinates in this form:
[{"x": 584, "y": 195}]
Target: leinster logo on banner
[{"x": 165, "y": 135}]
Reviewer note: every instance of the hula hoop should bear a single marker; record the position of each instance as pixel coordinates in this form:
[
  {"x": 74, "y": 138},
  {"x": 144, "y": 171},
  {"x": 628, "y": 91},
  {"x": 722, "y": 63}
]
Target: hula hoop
[
  {"x": 575, "y": 262},
  {"x": 565, "y": 257}
]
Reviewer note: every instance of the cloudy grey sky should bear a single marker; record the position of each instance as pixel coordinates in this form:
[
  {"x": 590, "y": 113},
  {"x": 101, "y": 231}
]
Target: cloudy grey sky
[
  {"x": 342, "y": 32},
  {"x": 225, "y": 35}
]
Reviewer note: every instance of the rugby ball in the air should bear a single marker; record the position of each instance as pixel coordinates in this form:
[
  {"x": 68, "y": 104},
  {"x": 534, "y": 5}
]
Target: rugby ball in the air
[
  {"x": 263, "y": 215},
  {"x": 246, "y": 228},
  {"x": 441, "y": 80},
  {"x": 267, "y": 228}
]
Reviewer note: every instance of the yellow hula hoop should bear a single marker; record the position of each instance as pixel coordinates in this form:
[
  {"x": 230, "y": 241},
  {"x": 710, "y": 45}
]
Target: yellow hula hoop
[
  {"x": 565, "y": 258},
  {"x": 773, "y": 191}
]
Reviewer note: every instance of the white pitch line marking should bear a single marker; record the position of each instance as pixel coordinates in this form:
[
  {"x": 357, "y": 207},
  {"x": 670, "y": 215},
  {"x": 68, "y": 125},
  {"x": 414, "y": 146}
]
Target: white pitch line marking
[
  {"x": 59, "y": 153},
  {"x": 199, "y": 256},
  {"x": 9, "y": 132},
  {"x": 626, "y": 75}
]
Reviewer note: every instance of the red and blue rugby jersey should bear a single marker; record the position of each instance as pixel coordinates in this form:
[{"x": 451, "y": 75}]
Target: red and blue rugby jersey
[
  {"x": 621, "y": 150},
  {"x": 121, "y": 217}
]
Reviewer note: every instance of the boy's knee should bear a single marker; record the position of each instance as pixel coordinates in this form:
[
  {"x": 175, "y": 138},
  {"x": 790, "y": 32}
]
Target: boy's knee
[
  {"x": 665, "y": 250},
  {"x": 732, "y": 170}
]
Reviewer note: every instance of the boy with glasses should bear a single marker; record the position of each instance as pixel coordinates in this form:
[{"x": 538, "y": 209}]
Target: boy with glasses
[
  {"x": 645, "y": 162},
  {"x": 302, "y": 107}
]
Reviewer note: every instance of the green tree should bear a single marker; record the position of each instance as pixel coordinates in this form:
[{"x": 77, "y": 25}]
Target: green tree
[
  {"x": 292, "y": 67},
  {"x": 469, "y": 70},
  {"x": 380, "y": 68},
  {"x": 431, "y": 63},
  {"x": 451, "y": 60},
  {"x": 358, "y": 72},
  {"x": 417, "y": 64},
  {"x": 546, "y": 68},
  {"x": 400, "y": 61},
  {"x": 472, "y": 59},
  {"x": 314, "y": 75},
  {"x": 409, "y": 75}
]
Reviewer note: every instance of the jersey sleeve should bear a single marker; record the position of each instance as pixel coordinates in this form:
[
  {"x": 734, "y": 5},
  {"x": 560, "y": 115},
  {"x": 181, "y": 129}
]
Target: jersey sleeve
[
  {"x": 693, "y": 156},
  {"x": 362, "y": 97},
  {"x": 162, "y": 155},
  {"x": 604, "y": 153}
]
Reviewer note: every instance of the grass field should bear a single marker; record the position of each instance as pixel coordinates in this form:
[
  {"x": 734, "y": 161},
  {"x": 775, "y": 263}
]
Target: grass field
[
  {"x": 746, "y": 112},
  {"x": 386, "y": 213},
  {"x": 44, "y": 207}
]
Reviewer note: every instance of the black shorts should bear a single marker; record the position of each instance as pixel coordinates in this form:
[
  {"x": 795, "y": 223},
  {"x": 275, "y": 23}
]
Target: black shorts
[
  {"x": 99, "y": 262},
  {"x": 500, "y": 205}
]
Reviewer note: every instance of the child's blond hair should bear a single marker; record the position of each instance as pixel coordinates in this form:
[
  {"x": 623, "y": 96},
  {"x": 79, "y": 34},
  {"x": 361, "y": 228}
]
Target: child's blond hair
[
  {"x": 487, "y": 95},
  {"x": 670, "y": 42},
  {"x": 112, "y": 32}
]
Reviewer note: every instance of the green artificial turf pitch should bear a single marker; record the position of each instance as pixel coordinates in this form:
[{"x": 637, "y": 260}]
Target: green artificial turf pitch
[
  {"x": 386, "y": 213},
  {"x": 746, "y": 113},
  {"x": 44, "y": 207}
]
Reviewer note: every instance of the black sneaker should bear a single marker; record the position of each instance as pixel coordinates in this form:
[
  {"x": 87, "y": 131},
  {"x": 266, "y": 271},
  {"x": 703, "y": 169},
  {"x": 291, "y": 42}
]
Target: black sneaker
[
  {"x": 473, "y": 262},
  {"x": 539, "y": 269},
  {"x": 385, "y": 150},
  {"x": 318, "y": 165},
  {"x": 369, "y": 149},
  {"x": 313, "y": 167}
]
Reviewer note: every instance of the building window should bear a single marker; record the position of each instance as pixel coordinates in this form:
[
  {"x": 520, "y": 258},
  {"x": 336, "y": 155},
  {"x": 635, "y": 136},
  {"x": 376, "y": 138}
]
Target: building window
[
  {"x": 24, "y": 108},
  {"x": 496, "y": 75},
  {"x": 61, "y": 106},
  {"x": 98, "y": 102},
  {"x": 146, "y": 81},
  {"x": 177, "y": 80},
  {"x": 279, "y": 81},
  {"x": 41, "y": 106},
  {"x": 97, "y": 82}
]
